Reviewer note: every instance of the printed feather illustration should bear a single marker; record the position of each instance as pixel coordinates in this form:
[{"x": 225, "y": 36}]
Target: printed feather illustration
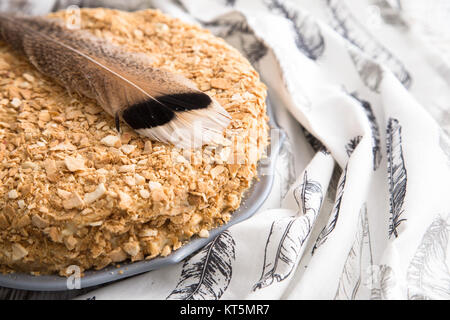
[
  {"x": 309, "y": 195},
  {"x": 207, "y": 274},
  {"x": 334, "y": 214},
  {"x": 428, "y": 273},
  {"x": 314, "y": 142},
  {"x": 444, "y": 144},
  {"x": 286, "y": 237},
  {"x": 156, "y": 103},
  {"x": 351, "y": 29},
  {"x": 357, "y": 262},
  {"x": 396, "y": 174},
  {"x": 234, "y": 28},
  {"x": 230, "y": 2},
  {"x": 333, "y": 186},
  {"x": 286, "y": 168},
  {"x": 369, "y": 71},
  {"x": 390, "y": 12},
  {"x": 376, "y": 146},
  {"x": 283, "y": 248},
  {"x": 308, "y": 37}
]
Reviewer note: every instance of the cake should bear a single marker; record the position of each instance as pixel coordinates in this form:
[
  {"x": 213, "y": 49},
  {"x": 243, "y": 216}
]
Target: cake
[{"x": 75, "y": 192}]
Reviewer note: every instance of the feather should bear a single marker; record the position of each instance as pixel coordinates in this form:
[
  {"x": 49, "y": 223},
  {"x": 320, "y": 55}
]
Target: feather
[
  {"x": 314, "y": 142},
  {"x": 396, "y": 174},
  {"x": 17, "y": 294},
  {"x": 376, "y": 147},
  {"x": 156, "y": 103},
  {"x": 285, "y": 169},
  {"x": 230, "y": 3},
  {"x": 358, "y": 259},
  {"x": 284, "y": 244},
  {"x": 391, "y": 12},
  {"x": 428, "y": 274},
  {"x": 384, "y": 288},
  {"x": 207, "y": 274},
  {"x": 309, "y": 195},
  {"x": 308, "y": 37},
  {"x": 334, "y": 214},
  {"x": 349, "y": 27}
]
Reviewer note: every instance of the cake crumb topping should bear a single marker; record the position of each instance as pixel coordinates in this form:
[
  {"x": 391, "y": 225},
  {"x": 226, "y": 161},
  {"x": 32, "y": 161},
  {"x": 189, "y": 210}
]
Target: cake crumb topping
[{"x": 75, "y": 192}]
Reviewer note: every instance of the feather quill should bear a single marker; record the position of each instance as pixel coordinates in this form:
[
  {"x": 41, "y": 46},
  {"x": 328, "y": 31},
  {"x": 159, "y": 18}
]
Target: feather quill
[{"x": 156, "y": 103}]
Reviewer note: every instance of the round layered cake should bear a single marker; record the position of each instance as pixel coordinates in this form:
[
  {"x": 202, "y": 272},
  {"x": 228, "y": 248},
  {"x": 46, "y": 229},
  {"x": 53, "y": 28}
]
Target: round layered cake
[{"x": 75, "y": 192}]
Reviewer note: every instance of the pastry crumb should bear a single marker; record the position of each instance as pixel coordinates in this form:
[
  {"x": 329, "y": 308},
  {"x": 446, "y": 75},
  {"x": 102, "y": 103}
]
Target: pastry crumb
[{"x": 75, "y": 192}]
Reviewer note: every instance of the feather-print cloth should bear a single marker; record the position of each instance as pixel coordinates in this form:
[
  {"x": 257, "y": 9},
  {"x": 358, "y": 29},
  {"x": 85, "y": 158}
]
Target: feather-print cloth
[{"x": 371, "y": 195}]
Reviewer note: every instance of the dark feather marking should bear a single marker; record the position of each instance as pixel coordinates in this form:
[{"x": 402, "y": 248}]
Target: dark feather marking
[
  {"x": 370, "y": 71},
  {"x": 254, "y": 50},
  {"x": 117, "y": 122},
  {"x": 282, "y": 254},
  {"x": 376, "y": 147},
  {"x": 230, "y": 3},
  {"x": 303, "y": 195},
  {"x": 314, "y": 142},
  {"x": 391, "y": 13},
  {"x": 308, "y": 37},
  {"x": 358, "y": 260},
  {"x": 147, "y": 114},
  {"x": 396, "y": 174},
  {"x": 323, "y": 236},
  {"x": 351, "y": 146},
  {"x": 185, "y": 101},
  {"x": 152, "y": 113},
  {"x": 287, "y": 236},
  {"x": 350, "y": 28}
]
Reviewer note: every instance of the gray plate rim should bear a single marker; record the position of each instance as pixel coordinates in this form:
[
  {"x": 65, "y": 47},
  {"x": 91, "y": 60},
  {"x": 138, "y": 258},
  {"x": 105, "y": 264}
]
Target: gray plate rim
[{"x": 253, "y": 200}]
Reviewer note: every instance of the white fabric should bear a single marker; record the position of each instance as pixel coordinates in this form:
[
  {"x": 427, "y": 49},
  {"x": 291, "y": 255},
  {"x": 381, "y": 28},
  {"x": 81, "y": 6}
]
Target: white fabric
[{"x": 367, "y": 215}]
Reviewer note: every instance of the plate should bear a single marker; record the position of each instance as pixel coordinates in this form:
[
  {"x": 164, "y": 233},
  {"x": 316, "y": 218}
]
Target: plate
[{"x": 253, "y": 199}]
